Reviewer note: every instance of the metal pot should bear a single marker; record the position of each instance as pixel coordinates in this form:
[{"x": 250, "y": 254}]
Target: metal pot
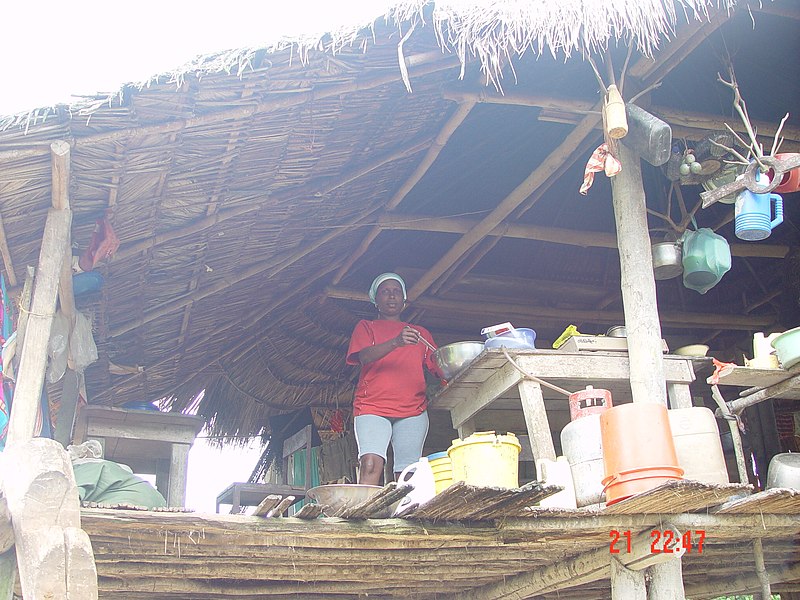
[
  {"x": 617, "y": 331},
  {"x": 784, "y": 471},
  {"x": 667, "y": 260}
]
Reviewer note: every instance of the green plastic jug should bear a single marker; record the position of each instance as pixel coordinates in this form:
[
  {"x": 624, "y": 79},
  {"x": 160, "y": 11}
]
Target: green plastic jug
[{"x": 706, "y": 258}]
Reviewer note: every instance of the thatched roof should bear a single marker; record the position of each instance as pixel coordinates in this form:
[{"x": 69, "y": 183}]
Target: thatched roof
[{"x": 257, "y": 192}]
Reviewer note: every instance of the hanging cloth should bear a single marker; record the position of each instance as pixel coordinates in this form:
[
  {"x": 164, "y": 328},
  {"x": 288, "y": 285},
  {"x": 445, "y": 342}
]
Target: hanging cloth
[{"x": 600, "y": 160}]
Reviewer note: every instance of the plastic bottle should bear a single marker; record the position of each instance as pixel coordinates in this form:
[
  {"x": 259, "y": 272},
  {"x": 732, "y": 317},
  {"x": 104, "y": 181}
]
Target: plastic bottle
[
  {"x": 557, "y": 472},
  {"x": 420, "y": 476}
]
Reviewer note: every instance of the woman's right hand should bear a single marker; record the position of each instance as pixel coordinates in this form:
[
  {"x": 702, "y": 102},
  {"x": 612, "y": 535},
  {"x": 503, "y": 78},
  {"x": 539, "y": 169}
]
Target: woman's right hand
[{"x": 407, "y": 337}]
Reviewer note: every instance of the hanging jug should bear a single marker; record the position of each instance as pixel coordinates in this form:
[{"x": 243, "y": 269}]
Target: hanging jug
[{"x": 706, "y": 258}]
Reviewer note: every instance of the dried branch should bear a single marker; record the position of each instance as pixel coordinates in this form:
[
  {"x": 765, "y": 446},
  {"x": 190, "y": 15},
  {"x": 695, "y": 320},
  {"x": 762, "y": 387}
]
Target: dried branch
[
  {"x": 775, "y": 142},
  {"x": 742, "y": 159},
  {"x": 740, "y": 106},
  {"x": 625, "y": 69},
  {"x": 666, "y": 218},
  {"x": 649, "y": 88},
  {"x": 597, "y": 74}
]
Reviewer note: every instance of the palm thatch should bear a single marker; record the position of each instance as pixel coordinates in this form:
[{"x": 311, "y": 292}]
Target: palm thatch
[{"x": 256, "y": 193}]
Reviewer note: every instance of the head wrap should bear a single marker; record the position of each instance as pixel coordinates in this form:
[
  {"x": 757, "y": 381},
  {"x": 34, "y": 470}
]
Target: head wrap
[{"x": 373, "y": 289}]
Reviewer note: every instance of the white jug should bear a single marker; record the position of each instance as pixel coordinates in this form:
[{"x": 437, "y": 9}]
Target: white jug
[
  {"x": 557, "y": 472},
  {"x": 420, "y": 476}
]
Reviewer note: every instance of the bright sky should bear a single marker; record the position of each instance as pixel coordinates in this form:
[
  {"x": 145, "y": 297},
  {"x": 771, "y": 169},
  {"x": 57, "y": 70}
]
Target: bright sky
[{"x": 51, "y": 50}]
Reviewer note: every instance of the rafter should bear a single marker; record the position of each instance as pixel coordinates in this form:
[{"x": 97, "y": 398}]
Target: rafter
[{"x": 439, "y": 142}]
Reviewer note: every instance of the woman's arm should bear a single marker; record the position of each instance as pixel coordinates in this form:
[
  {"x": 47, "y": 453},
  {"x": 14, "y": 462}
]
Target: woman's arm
[{"x": 407, "y": 337}]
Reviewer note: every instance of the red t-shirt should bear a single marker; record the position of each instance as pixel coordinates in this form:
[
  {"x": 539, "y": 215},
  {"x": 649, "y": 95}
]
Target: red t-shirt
[{"x": 392, "y": 386}]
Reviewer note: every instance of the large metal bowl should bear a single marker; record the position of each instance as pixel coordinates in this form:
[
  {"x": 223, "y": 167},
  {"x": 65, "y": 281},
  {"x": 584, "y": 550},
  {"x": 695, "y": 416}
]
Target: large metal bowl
[
  {"x": 452, "y": 358},
  {"x": 338, "y": 496}
]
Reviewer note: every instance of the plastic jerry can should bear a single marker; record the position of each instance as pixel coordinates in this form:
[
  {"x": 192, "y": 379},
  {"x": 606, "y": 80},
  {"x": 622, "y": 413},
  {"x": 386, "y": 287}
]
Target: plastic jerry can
[
  {"x": 557, "y": 472},
  {"x": 420, "y": 476}
]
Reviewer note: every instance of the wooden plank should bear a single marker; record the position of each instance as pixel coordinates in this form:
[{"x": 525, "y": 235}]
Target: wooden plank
[
  {"x": 143, "y": 432},
  {"x": 33, "y": 360},
  {"x": 536, "y": 420},
  {"x": 752, "y": 377},
  {"x": 503, "y": 379}
]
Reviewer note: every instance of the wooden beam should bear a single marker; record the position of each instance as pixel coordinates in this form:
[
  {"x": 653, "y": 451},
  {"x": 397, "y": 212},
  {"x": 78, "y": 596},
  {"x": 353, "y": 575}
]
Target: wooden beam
[
  {"x": 542, "y": 175},
  {"x": 439, "y": 142},
  {"x": 584, "y": 568},
  {"x": 554, "y": 235},
  {"x": 34, "y": 352},
  {"x": 685, "y": 320},
  {"x": 695, "y": 125}
]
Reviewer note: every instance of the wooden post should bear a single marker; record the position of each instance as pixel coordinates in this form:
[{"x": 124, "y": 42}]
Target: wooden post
[
  {"x": 638, "y": 282},
  {"x": 176, "y": 494},
  {"x": 34, "y": 351},
  {"x": 530, "y": 394},
  {"x": 626, "y": 584},
  {"x": 664, "y": 580},
  {"x": 33, "y": 357},
  {"x": 761, "y": 570}
]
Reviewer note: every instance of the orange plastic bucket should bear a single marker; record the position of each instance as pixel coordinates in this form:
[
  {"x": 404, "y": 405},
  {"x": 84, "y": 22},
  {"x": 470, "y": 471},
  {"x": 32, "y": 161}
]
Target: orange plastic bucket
[{"x": 638, "y": 449}]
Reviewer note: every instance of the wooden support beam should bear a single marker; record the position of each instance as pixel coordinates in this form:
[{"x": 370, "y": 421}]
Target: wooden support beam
[
  {"x": 638, "y": 281},
  {"x": 685, "y": 320},
  {"x": 554, "y": 235},
  {"x": 666, "y": 581},
  {"x": 745, "y": 583},
  {"x": 34, "y": 351},
  {"x": 684, "y": 123},
  {"x": 541, "y": 176},
  {"x": 584, "y": 568},
  {"x": 439, "y": 142}
]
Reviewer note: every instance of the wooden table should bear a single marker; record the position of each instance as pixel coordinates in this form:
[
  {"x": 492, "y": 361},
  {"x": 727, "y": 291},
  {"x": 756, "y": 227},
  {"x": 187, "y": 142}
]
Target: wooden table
[
  {"x": 251, "y": 494},
  {"x": 492, "y": 381},
  {"x": 148, "y": 441}
]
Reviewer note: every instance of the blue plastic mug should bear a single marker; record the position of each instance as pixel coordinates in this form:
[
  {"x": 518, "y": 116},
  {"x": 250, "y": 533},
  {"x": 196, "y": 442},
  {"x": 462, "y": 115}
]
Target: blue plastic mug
[{"x": 753, "y": 215}]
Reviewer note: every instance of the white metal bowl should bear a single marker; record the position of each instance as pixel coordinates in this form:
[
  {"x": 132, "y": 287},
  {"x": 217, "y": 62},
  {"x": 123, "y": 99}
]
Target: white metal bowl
[{"x": 338, "y": 496}]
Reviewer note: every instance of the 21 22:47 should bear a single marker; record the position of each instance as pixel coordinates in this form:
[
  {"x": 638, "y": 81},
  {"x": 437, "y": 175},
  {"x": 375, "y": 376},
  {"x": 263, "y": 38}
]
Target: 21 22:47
[{"x": 662, "y": 541}]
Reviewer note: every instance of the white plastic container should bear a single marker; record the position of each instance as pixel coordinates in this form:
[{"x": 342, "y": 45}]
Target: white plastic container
[
  {"x": 698, "y": 445},
  {"x": 420, "y": 476},
  {"x": 557, "y": 472},
  {"x": 582, "y": 444}
]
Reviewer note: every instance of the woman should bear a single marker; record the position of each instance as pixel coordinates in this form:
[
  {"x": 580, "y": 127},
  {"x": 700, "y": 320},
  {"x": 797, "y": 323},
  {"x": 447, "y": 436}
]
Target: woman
[{"x": 390, "y": 402}]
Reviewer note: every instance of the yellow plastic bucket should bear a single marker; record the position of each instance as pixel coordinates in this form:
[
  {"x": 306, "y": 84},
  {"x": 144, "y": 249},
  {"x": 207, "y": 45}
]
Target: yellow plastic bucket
[
  {"x": 442, "y": 469},
  {"x": 486, "y": 459}
]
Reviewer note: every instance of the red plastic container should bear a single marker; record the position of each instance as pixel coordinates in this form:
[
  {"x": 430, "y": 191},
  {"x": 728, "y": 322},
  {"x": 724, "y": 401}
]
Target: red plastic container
[{"x": 588, "y": 402}]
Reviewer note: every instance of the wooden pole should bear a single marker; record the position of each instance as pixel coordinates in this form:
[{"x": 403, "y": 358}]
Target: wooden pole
[
  {"x": 33, "y": 360},
  {"x": 626, "y": 584},
  {"x": 666, "y": 581},
  {"x": 761, "y": 570},
  {"x": 638, "y": 282}
]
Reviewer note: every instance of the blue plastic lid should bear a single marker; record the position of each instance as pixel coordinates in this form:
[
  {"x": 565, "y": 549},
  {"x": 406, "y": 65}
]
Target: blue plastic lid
[{"x": 436, "y": 455}]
